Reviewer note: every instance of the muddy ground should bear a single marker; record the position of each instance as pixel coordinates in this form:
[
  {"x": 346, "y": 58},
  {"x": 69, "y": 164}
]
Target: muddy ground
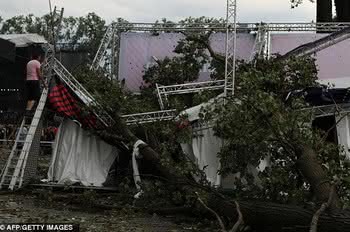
[
  {"x": 45, "y": 206},
  {"x": 92, "y": 210}
]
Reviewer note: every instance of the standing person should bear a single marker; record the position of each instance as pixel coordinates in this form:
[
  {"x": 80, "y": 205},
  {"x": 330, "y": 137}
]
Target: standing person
[{"x": 33, "y": 78}]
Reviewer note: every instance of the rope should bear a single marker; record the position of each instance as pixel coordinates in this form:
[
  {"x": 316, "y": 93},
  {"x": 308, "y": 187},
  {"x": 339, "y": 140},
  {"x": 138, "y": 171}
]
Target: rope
[{"x": 136, "y": 173}]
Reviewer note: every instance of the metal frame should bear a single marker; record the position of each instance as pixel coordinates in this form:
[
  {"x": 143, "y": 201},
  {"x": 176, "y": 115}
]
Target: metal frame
[
  {"x": 106, "y": 40},
  {"x": 165, "y": 91},
  {"x": 231, "y": 28},
  {"x": 103, "y": 116},
  {"x": 320, "y": 44},
  {"x": 149, "y": 117},
  {"x": 81, "y": 92},
  {"x": 260, "y": 44},
  {"x": 329, "y": 110},
  {"x": 111, "y": 38},
  {"x": 241, "y": 27},
  {"x": 230, "y": 48}
]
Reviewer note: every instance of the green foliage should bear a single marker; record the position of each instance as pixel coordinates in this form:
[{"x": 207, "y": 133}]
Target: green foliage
[
  {"x": 256, "y": 124},
  {"x": 193, "y": 53},
  {"x": 296, "y": 3},
  {"x": 259, "y": 123},
  {"x": 178, "y": 70},
  {"x": 86, "y": 31}
]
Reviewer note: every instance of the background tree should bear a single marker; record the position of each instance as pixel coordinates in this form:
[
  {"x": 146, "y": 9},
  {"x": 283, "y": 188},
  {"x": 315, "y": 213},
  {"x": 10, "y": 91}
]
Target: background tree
[
  {"x": 324, "y": 10},
  {"x": 343, "y": 10},
  {"x": 85, "y": 32}
]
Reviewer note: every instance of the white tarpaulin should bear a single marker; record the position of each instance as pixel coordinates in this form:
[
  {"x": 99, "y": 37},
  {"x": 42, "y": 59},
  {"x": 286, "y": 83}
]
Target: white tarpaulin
[
  {"x": 79, "y": 156},
  {"x": 343, "y": 133},
  {"x": 203, "y": 151},
  {"x": 205, "y": 146},
  {"x": 23, "y": 40}
]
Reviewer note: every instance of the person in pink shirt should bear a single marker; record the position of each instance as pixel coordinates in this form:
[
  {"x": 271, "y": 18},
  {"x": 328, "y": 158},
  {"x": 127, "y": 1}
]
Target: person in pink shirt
[{"x": 33, "y": 78}]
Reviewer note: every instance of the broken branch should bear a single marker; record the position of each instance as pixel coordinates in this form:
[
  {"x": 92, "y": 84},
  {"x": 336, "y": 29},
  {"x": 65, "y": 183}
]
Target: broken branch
[
  {"x": 213, "y": 212},
  {"x": 240, "y": 221},
  {"x": 324, "y": 206}
]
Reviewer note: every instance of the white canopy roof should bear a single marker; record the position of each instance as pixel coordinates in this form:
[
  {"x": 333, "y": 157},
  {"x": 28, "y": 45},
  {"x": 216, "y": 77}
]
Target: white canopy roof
[
  {"x": 23, "y": 40},
  {"x": 343, "y": 82},
  {"x": 193, "y": 112}
]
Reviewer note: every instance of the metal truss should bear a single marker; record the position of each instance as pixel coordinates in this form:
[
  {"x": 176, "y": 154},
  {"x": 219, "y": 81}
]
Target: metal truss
[
  {"x": 104, "y": 117},
  {"x": 164, "y": 91},
  {"x": 150, "y": 117},
  {"x": 106, "y": 40},
  {"x": 329, "y": 110},
  {"x": 260, "y": 45},
  {"x": 55, "y": 25},
  {"x": 230, "y": 48},
  {"x": 82, "y": 93},
  {"x": 109, "y": 47},
  {"x": 62, "y": 46},
  {"x": 306, "y": 27},
  {"x": 241, "y": 27},
  {"x": 318, "y": 45},
  {"x": 112, "y": 35}
]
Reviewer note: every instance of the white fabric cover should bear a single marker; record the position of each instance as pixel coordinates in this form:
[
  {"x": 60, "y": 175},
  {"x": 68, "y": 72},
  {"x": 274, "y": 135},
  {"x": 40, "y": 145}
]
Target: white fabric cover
[
  {"x": 343, "y": 133},
  {"x": 205, "y": 146},
  {"x": 79, "y": 156},
  {"x": 203, "y": 151},
  {"x": 343, "y": 82},
  {"x": 193, "y": 112},
  {"x": 23, "y": 40}
]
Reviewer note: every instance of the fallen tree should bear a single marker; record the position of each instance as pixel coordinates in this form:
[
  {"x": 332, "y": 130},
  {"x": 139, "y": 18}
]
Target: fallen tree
[
  {"x": 295, "y": 192},
  {"x": 260, "y": 216}
]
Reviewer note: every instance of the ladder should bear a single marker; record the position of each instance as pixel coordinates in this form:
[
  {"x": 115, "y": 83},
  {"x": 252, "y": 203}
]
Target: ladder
[
  {"x": 12, "y": 175},
  {"x": 14, "y": 170}
]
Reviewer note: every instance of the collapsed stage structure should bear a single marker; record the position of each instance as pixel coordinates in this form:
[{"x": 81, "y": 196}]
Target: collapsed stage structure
[{"x": 21, "y": 164}]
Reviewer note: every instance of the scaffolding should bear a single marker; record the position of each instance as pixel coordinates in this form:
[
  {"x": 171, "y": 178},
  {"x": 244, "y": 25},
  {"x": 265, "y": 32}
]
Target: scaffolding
[
  {"x": 108, "y": 51},
  {"x": 230, "y": 46},
  {"x": 260, "y": 48},
  {"x": 149, "y": 117},
  {"x": 329, "y": 110},
  {"x": 164, "y": 91}
]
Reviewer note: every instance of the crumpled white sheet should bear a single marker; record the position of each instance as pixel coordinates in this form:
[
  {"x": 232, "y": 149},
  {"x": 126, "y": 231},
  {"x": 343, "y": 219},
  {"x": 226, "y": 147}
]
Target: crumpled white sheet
[{"x": 79, "y": 156}]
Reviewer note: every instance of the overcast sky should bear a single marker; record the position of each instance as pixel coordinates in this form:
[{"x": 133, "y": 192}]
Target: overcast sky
[{"x": 150, "y": 10}]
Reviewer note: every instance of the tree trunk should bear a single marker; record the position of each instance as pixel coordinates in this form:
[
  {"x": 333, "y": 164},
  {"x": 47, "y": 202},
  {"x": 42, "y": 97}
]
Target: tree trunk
[
  {"x": 262, "y": 216},
  {"x": 342, "y": 10},
  {"x": 313, "y": 172},
  {"x": 324, "y": 11}
]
